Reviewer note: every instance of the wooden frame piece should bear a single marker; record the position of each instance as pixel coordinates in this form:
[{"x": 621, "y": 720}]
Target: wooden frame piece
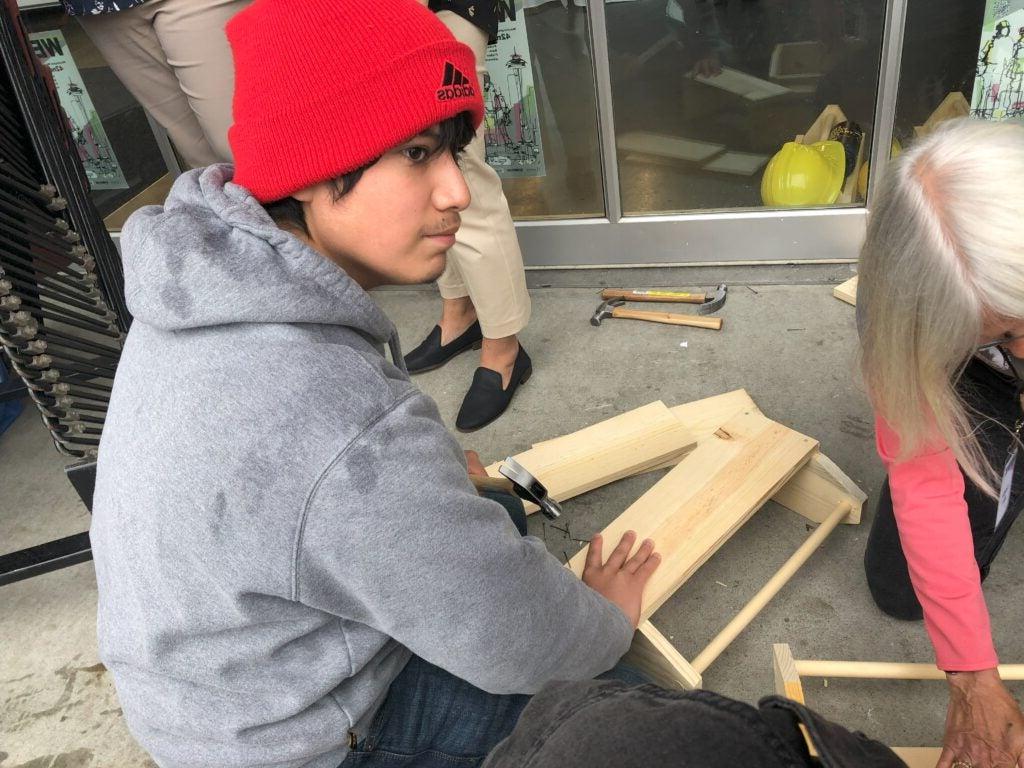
[
  {"x": 847, "y": 291},
  {"x": 624, "y": 445},
  {"x": 788, "y": 683},
  {"x": 817, "y": 488},
  {"x": 741, "y": 459},
  {"x": 731, "y": 474},
  {"x": 654, "y": 655},
  {"x": 953, "y": 106},
  {"x": 812, "y": 492}
]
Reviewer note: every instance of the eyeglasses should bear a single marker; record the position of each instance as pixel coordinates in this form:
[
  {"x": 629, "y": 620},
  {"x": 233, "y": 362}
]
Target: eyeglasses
[{"x": 998, "y": 342}]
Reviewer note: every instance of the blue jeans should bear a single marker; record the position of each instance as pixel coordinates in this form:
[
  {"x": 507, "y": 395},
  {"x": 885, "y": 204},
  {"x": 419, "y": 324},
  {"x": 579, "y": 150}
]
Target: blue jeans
[{"x": 433, "y": 719}]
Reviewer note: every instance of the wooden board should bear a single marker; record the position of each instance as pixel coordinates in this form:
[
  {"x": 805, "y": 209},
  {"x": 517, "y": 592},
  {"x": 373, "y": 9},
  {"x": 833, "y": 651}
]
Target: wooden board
[
  {"x": 787, "y": 683},
  {"x": 621, "y": 446},
  {"x": 918, "y": 757},
  {"x": 155, "y": 194},
  {"x": 822, "y": 126},
  {"x": 652, "y": 654},
  {"x": 815, "y": 490},
  {"x": 847, "y": 291},
  {"x": 744, "y": 85},
  {"x": 953, "y": 106},
  {"x": 698, "y": 505},
  {"x": 738, "y": 163},
  {"x": 812, "y": 492},
  {"x": 674, "y": 147},
  {"x": 703, "y": 417}
]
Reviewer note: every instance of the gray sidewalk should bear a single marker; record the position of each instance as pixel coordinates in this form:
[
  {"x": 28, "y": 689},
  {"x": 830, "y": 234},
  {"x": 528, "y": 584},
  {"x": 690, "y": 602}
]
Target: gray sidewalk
[{"x": 791, "y": 346}]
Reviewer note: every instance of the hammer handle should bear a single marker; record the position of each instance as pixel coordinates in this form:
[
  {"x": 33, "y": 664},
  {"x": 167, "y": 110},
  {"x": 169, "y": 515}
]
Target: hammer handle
[
  {"x": 714, "y": 323},
  {"x": 482, "y": 483},
  {"x": 665, "y": 296}
]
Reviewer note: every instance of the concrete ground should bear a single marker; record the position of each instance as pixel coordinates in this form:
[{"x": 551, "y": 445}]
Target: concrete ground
[{"x": 786, "y": 340}]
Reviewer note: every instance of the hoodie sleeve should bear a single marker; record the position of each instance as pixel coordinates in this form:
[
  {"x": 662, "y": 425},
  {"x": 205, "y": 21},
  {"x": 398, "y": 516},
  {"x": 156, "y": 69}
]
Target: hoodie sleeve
[
  {"x": 935, "y": 531},
  {"x": 396, "y": 537}
]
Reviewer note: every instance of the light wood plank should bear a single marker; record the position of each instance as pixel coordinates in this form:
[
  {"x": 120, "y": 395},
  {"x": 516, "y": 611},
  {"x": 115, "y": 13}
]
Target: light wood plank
[
  {"x": 697, "y": 506},
  {"x": 619, "y": 447},
  {"x": 847, "y": 291},
  {"x": 675, "y": 147},
  {"x": 155, "y": 194},
  {"x": 822, "y": 126},
  {"x": 787, "y": 680},
  {"x": 742, "y": 84},
  {"x": 703, "y": 417},
  {"x": 787, "y": 683},
  {"x": 918, "y": 757},
  {"x": 654, "y": 655},
  {"x": 812, "y": 492},
  {"x": 816, "y": 489},
  {"x": 953, "y": 106}
]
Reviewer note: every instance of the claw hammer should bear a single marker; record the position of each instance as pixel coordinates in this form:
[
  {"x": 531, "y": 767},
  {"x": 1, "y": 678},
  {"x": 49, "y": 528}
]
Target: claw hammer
[
  {"x": 707, "y": 302},
  {"x": 613, "y": 308}
]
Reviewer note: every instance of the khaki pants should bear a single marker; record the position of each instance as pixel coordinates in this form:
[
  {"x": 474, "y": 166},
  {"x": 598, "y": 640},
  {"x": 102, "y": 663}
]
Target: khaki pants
[
  {"x": 174, "y": 58},
  {"x": 485, "y": 263}
]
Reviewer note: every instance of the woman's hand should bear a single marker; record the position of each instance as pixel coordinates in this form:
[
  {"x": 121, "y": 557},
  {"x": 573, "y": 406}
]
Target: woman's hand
[{"x": 984, "y": 724}]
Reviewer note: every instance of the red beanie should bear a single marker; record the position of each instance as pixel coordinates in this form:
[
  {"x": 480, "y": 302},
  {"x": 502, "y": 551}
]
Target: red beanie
[{"x": 323, "y": 87}]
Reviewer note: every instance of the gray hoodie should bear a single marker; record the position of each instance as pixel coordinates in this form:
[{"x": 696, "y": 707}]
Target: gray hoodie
[{"x": 281, "y": 517}]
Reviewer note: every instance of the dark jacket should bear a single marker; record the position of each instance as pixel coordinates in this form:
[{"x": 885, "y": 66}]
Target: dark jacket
[
  {"x": 609, "y": 724},
  {"x": 485, "y": 14},
  {"x": 93, "y": 7}
]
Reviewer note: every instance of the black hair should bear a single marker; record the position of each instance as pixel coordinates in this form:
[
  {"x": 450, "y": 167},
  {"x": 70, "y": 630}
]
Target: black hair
[{"x": 454, "y": 135}]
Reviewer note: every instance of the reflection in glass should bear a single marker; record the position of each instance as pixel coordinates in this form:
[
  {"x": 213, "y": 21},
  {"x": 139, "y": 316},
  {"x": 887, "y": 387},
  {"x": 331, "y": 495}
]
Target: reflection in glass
[
  {"x": 706, "y": 92},
  {"x": 563, "y": 75},
  {"x": 122, "y": 121}
]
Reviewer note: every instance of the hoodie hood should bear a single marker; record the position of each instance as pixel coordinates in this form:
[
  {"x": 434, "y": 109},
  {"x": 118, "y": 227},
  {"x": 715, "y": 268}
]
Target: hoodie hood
[{"x": 211, "y": 255}]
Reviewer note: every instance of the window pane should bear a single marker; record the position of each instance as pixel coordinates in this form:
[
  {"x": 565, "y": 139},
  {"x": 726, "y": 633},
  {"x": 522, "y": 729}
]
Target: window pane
[
  {"x": 706, "y": 92},
  {"x": 115, "y": 142},
  {"x": 567, "y": 108}
]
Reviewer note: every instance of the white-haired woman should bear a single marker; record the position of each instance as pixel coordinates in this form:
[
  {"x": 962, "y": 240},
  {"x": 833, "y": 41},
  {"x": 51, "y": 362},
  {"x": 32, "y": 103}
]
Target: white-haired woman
[{"x": 940, "y": 305}]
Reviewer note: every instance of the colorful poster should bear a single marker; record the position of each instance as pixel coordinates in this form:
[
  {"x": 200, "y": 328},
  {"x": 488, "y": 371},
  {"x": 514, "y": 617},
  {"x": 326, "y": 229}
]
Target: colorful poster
[
  {"x": 94, "y": 150},
  {"x": 999, "y": 78},
  {"x": 511, "y": 119}
]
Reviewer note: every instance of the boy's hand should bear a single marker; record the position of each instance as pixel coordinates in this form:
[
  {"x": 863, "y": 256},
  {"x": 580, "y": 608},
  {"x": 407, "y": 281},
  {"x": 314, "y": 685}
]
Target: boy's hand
[
  {"x": 473, "y": 464},
  {"x": 620, "y": 580}
]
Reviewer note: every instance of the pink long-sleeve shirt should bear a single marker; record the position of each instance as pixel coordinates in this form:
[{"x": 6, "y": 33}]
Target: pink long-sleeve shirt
[{"x": 928, "y": 501}]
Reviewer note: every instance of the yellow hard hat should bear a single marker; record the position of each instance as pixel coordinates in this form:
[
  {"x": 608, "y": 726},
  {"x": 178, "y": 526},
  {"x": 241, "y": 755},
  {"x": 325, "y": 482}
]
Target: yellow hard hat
[
  {"x": 862, "y": 177},
  {"x": 802, "y": 174}
]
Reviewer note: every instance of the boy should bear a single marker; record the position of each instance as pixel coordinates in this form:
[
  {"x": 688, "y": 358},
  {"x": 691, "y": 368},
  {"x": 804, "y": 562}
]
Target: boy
[{"x": 293, "y": 567}]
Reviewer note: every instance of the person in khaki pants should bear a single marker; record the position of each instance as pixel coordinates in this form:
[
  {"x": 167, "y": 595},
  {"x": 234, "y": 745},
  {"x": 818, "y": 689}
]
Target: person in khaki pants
[
  {"x": 174, "y": 58},
  {"x": 483, "y": 289}
]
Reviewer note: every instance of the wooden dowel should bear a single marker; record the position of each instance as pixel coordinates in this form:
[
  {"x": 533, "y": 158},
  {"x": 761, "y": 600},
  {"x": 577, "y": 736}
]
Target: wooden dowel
[
  {"x": 889, "y": 670},
  {"x": 749, "y": 612}
]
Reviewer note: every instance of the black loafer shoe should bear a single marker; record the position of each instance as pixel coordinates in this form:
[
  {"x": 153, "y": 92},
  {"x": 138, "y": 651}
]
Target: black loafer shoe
[
  {"x": 433, "y": 354},
  {"x": 486, "y": 400}
]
